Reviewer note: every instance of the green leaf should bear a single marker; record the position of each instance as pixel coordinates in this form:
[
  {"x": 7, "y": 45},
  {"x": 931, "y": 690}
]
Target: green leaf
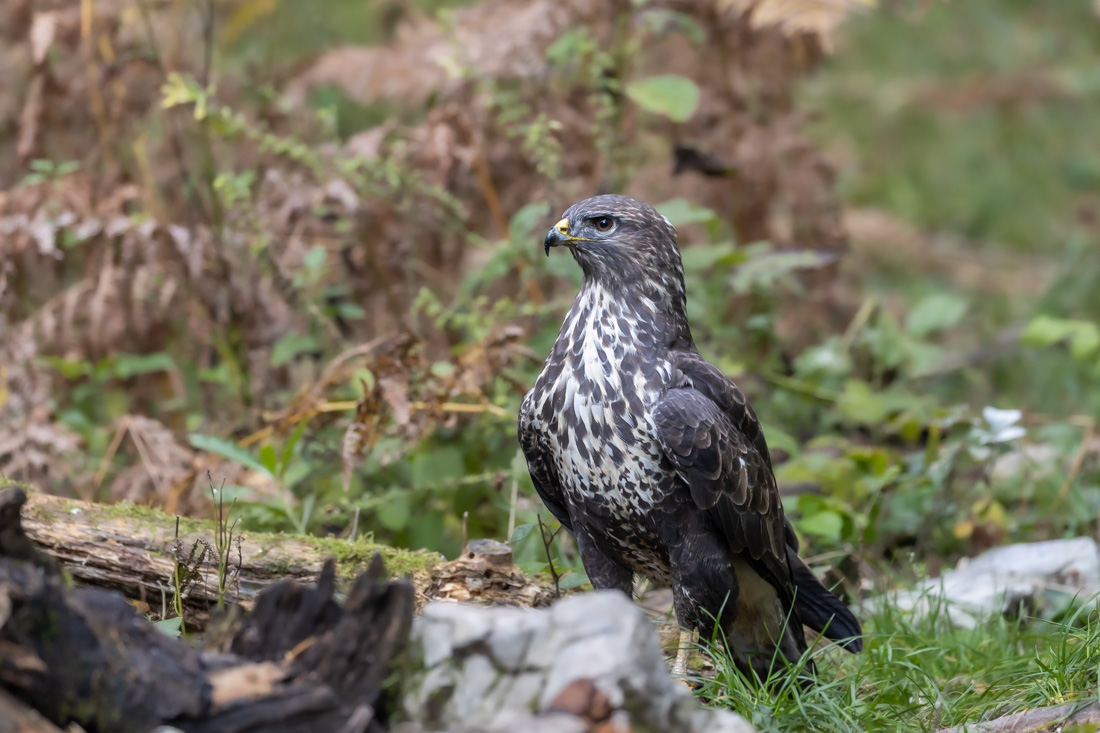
[
  {"x": 443, "y": 369},
  {"x": 859, "y": 404},
  {"x": 674, "y": 96},
  {"x": 935, "y": 313},
  {"x": 828, "y": 358},
  {"x": 228, "y": 449},
  {"x": 825, "y": 523},
  {"x": 267, "y": 457},
  {"x": 131, "y": 365},
  {"x": 1084, "y": 336},
  {"x": 294, "y": 473},
  {"x": 573, "y": 580},
  {"x": 170, "y": 626},
  {"x": 69, "y": 368},
  {"x": 314, "y": 259},
  {"x": 764, "y": 270},
  {"x": 1047, "y": 331},
  {"x": 682, "y": 212},
  {"x": 704, "y": 260},
  {"x": 351, "y": 311},
  {"x": 289, "y": 346},
  {"x": 394, "y": 512},
  {"x": 569, "y": 46},
  {"x": 520, "y": 533},
  {"x": 1086, "y": 339},
  {"x": 362, "y": 376},
  {"x": 437, "y": 466},
  {"x": 524, "y": 222},
  {"x": 292, "y": 443}
]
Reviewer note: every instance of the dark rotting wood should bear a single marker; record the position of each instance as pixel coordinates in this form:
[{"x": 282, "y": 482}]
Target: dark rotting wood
[{"x": 300, "y": 662}]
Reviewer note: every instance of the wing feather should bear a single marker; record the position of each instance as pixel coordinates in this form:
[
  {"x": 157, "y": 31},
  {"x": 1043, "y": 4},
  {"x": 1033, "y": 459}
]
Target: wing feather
[
  {"x": 712, "y": 437},
  {"x": 540, "y": 462}
]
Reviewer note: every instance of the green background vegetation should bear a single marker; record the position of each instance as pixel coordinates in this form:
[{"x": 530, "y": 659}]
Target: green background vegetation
[{"x": 963, "y": 138}]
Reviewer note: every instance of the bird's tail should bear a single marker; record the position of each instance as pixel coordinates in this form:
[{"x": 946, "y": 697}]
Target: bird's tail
[
  {"x": 765, "y": 637},
  {"x": 821, "y": 610}
]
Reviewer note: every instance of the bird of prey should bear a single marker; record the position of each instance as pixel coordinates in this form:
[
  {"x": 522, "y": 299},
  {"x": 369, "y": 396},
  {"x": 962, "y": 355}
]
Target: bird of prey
[{"x": 655, "y": 461}]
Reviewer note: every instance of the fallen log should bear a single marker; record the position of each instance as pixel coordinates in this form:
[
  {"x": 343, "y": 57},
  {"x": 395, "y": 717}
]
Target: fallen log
[
  {"x": 140, "y": 551},
  {"x": 1084, "y": 714},
  {"x": 298, "y": 663}
]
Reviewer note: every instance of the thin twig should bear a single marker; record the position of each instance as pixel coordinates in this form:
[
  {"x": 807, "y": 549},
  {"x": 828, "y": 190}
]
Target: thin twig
[
  {"x": 546, "y": 542},
  {"x": 105, "y": 462},
  {"x": 1089, "y": 427},
  {"x": 177, "y": 595},
  {"x": 223, "y": 535},
  {"x": 147, "y": 462},
  {"x": 800, "y": 387},
  {"x": 512, "y": 507},
  {"x": 859, "y": 320},
  {"x": 208, "y": 42},
  {"x": 492, "y": 200}
]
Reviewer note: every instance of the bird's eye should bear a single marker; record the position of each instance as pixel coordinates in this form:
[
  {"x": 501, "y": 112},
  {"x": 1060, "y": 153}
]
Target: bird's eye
[{"x": 604, "y": 223}]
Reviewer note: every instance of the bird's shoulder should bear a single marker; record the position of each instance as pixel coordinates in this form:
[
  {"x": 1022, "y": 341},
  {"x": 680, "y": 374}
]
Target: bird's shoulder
[{"x": 691, "y": 371}]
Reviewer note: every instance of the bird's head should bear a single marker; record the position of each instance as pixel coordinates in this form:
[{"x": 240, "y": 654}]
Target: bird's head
[{"x": 618, "y": 240}]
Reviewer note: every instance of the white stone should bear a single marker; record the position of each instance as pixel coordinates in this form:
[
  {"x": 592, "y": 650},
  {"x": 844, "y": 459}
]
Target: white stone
[
  {"x": 996, "y": 581},
  {"x": 510, "y": 664}
]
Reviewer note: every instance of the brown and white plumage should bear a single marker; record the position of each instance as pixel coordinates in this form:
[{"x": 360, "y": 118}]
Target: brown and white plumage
[{"x": 654, "y": 459}]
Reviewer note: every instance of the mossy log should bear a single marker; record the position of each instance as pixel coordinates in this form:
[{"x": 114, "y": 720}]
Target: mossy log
[{"x": 138, "y": 551}]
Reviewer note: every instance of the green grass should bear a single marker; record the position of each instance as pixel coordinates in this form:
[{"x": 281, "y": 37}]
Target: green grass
[{"x": 922, "y": 674}]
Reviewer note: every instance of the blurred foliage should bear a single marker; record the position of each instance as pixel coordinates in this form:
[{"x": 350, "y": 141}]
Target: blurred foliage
[{"x": 342, "y": 338}]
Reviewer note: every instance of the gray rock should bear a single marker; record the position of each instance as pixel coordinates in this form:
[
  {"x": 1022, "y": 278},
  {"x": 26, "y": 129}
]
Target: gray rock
[
  {"x": 507, "y": 669},
  {"x": 1000, "y": 580}
]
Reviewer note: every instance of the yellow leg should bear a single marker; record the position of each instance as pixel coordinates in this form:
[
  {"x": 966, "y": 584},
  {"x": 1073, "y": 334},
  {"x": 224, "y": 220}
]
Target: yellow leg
[{"x": 687, "y": 641}]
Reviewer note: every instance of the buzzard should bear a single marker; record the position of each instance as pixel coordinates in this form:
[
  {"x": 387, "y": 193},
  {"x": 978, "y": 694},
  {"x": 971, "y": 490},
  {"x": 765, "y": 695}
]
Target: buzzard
[{"x": 655, "y": 461}]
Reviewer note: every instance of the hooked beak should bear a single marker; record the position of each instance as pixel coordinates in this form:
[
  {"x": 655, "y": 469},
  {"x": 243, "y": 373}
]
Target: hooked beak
[{"x": 557, "y": 236}]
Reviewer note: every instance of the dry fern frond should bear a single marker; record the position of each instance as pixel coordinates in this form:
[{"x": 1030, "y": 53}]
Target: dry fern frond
[
  {"x": 33, "y": 450},
  {"x": 363, "y": 431},
  {"x": 820, "y": 17},
  {"x": 164, "y": 470}
]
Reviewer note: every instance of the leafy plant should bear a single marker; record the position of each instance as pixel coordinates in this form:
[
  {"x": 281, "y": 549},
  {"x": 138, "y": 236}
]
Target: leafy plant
[{"x": 673, "y": 96}]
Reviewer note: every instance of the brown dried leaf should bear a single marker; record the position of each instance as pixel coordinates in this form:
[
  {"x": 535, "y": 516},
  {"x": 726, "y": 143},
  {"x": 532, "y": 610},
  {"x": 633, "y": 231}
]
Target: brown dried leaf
[
  {"x": 485, "y": 573},
  {"x": 160, "y": 464},
  {"x": 395, "y": 391},
  {"x": 362, "y": 433},
  {"x": 820, "y": 17},
  {"x": 43, "y": 30},
  {"x": 31, "y": 117},
  {"x": 505, "y": 39}
]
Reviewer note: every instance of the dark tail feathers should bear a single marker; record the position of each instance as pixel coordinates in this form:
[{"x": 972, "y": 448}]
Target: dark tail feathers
[{"x": 821, "y": 610}]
